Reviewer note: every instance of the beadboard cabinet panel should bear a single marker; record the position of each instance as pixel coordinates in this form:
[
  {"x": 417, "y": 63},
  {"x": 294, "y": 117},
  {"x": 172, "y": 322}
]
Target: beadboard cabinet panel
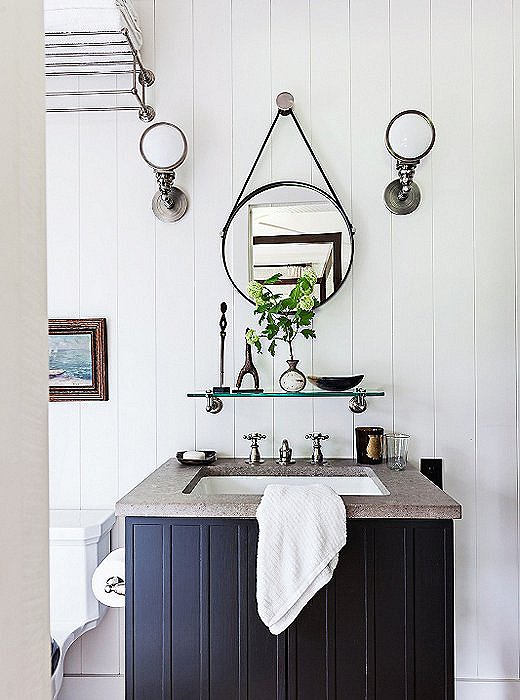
[{"x": 382, "y": 628}]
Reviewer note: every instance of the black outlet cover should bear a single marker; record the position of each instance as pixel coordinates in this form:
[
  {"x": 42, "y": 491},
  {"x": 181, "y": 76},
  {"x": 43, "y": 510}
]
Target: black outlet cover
[{"x": 432, "y": 468}]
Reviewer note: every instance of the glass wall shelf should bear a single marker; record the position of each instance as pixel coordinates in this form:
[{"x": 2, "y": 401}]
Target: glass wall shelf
[
  {"x": 286, "y": 394},
  {"x": 357, "y": 396}
]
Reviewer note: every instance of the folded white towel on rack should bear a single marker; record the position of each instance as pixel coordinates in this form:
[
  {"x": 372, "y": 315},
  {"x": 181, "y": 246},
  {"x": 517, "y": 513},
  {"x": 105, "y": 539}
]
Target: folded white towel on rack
[
  {"x": 93, "y": 16},
  {"x": 301, "y": 531}
]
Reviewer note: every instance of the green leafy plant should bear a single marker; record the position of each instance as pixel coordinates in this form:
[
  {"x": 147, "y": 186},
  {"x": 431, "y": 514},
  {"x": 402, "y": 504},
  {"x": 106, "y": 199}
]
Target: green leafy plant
[{"x": 283, "y": 318}]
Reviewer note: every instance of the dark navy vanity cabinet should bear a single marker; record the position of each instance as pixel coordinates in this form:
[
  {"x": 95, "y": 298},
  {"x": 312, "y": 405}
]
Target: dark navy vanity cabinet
[{"x": 381, "y": 630}]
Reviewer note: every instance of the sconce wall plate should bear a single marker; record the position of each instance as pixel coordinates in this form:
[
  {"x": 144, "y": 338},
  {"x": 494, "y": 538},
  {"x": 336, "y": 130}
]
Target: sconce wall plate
[
  {"x": 398, "y": 204},
  {"x": 175, "y": 209},
  {"x": 409, "y": 137},
  {"x": 164, "y": 148}
]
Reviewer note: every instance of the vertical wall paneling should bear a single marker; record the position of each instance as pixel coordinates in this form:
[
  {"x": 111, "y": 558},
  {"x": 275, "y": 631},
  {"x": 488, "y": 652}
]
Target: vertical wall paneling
[
  {"x": 63, "y": 202},
  {"x": 100, "y": 647},
  {"x": 98, "y": 297},
  {"x": 212, "y": 199},
  {"x": 290, "y": 70},
  {"x": 497, "y": 508},
  {"x": 515, "y": 27},
  {"x": 428, "y": 312},
  {"x": 63, "y": 301},
  {"x": 63, "y": 295},
  {"x": 371, "y": 170},
  {"x": 412, "y": 238},
  {"x": 64, "y": 455},
  {"x": 251, "y": 120},
  {"x": 175, "y": 263},
  {"x": 330, "y": 132},
  {"x": 73, "y": 660},
  {"x": 454, "y": 323},
  {"x": 136, "y": 307}
]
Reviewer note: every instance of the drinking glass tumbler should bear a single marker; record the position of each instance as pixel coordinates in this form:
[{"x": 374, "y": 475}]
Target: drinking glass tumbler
[
  {"x": 369, "y": 445},
  {"x": 396, "y": 445}
]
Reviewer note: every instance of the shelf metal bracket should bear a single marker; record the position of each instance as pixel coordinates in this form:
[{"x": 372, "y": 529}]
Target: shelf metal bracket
[
  {"x": 213, "y": 403},
  {"x": 358, "y": 404}
]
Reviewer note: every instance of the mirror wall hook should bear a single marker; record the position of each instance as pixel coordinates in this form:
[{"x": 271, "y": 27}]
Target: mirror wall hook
[
  {"x": 409, "y": 137},
  {"x": 164, "y": 147},
  {"x": 285, "y": 102}
]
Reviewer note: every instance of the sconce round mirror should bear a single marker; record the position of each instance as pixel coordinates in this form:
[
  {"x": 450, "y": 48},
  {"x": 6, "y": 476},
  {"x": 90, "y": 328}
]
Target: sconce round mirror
[
  {"x": 410, "y": 135},
  {"x": 163, "y": 146},
  {"x": 284, "y": 228}
]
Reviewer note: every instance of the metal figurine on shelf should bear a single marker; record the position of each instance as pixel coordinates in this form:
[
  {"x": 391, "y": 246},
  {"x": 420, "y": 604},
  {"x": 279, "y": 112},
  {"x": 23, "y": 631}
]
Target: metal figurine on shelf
[
  {"x": 223, "y": 325},
  {"x": 248, "y": 368}
]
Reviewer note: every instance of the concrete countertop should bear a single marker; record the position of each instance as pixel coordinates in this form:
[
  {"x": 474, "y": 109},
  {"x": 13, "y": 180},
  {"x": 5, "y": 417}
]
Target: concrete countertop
[{"x": 162, "y": 494}]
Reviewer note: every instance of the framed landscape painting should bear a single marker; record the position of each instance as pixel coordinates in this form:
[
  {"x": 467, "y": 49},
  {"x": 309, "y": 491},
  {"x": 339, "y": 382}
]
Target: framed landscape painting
[{"x": 78, "y": 360}]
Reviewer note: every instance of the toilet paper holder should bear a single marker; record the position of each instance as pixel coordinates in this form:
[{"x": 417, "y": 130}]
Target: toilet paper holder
[{"x": 115, "y": 584}]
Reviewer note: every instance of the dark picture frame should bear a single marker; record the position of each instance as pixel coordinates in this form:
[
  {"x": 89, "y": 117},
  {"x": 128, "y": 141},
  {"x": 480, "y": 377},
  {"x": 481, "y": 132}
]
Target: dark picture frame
[{"x": 78, "y": 369}]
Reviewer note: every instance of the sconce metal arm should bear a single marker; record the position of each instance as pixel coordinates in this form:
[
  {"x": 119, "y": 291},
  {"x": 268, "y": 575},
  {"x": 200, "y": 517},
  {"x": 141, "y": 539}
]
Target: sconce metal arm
[
  {"x": 165, "y": 182},
  {"x": 406, "y": 172}
]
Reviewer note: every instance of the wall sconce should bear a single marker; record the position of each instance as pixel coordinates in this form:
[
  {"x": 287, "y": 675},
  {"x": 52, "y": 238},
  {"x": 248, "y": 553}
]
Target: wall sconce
[
  {"x": 409, "y": 137},
  {"x": 164, "y": 147}
]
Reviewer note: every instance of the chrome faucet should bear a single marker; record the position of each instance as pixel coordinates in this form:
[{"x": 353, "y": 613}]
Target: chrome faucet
[
  {"x": 317, "y": 454},
  {"x": 254, "y": 455},
  {"x": 285, "y": 454}
]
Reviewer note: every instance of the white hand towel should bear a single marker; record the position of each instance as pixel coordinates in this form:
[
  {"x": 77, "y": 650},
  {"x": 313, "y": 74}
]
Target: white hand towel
[
  {"x": 301, "y": 531},
  {"x": 93, "y": 16}
]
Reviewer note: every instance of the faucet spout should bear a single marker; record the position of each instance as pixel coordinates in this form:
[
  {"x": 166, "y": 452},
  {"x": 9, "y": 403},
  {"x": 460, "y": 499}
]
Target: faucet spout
[{"x": 285, "y": 453}]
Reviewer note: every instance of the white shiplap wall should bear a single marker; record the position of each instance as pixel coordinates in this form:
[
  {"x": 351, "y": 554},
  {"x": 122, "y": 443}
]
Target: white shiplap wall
[{"x": 429, "y": 312}]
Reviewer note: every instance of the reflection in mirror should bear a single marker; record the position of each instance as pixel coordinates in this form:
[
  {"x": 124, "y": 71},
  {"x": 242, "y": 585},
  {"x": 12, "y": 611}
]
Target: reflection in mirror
[
  {"x": 285, "y": 230},
  {"x": 286, "y": 239}
]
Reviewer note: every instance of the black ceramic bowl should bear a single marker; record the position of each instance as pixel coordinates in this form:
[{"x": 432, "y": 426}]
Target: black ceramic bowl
[
  {"x": 210, "y": 457},
  {"x": 336, "y": 383}
]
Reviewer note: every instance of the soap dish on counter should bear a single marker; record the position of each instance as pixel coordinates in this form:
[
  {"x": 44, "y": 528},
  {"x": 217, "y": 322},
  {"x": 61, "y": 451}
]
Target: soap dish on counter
[{"x": 210, "y": 456}]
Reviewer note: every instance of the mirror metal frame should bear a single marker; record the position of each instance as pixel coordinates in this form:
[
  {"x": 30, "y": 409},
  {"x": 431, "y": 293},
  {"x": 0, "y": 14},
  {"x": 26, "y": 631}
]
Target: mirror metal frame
[
  {"x": 178, "y": 162},
  {"x": 286, "y": 183},
  {"x": 402, "y": 196},
  {"x": 418, "y": 158},
  {"x": 169, "y": 203}
]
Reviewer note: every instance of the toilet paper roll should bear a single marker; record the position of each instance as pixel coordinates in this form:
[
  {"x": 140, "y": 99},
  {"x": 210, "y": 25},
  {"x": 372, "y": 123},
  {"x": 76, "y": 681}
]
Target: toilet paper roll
[{"x": 108, "y": 580}]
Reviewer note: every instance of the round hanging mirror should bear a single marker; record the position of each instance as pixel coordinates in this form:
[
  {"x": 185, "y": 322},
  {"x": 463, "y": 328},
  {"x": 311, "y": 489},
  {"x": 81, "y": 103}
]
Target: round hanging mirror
[
  {"x": 285, "y": 228},
  {"x": 410, "y": 135}
]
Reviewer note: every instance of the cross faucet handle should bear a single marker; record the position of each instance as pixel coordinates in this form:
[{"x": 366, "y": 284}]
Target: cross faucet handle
[
  {"x": 317, "y": 454},
  {"x": 255, "y": 437},
  {"x": 254, "y": 455},
  {"x": 316, "y": 437}
]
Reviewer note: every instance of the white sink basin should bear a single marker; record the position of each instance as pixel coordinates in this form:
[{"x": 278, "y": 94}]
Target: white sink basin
[{"x": 368, "y": 485}]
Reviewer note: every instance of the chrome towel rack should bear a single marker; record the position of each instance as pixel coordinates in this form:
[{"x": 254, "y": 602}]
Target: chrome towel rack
[{"x": 95, "y": 54}]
